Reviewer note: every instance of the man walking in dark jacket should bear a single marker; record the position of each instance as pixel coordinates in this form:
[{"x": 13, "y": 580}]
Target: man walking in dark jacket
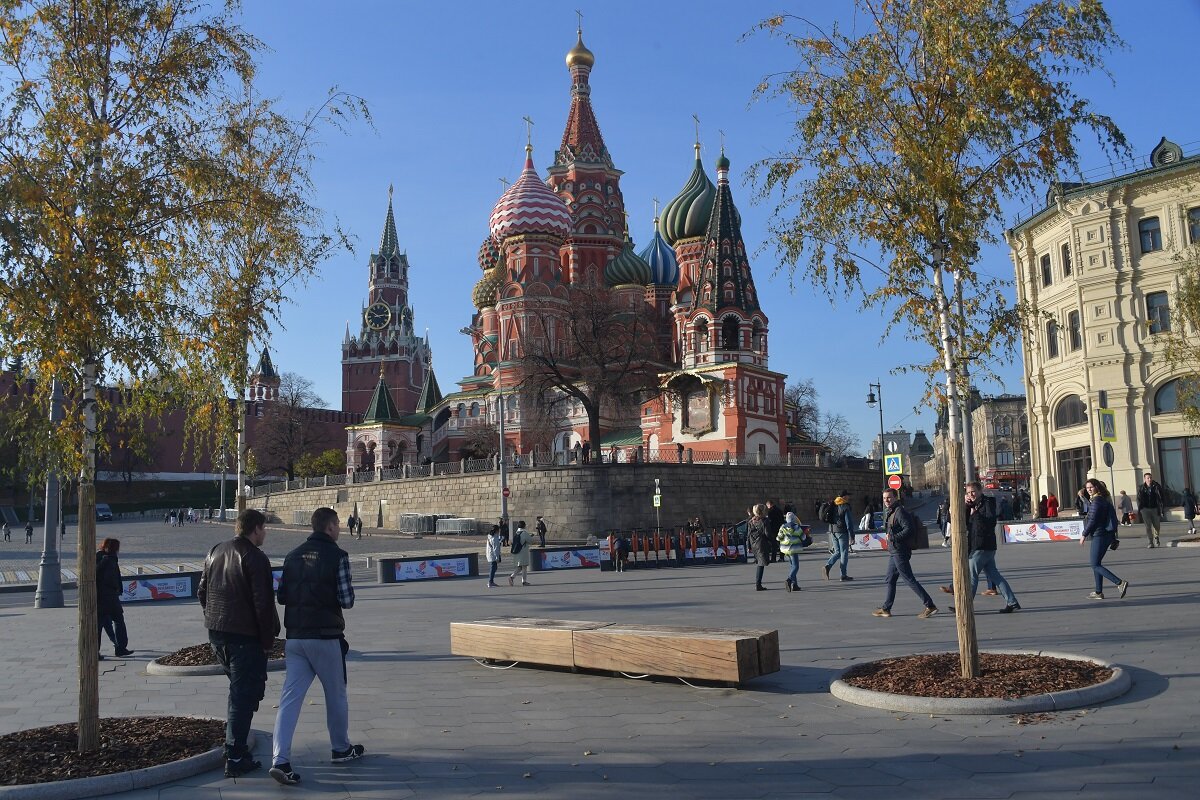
[
  {"x": 981, "y": 541},
  {"x": 239, "y": 612},
  {"x": 901, "y": 532},
  {"x": 313, "y": 590},
  {"x": 1150, "y": 507}
]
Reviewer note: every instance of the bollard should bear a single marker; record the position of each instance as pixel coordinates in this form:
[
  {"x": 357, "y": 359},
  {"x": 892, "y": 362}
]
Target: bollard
[{"x": 139, "y": 570}]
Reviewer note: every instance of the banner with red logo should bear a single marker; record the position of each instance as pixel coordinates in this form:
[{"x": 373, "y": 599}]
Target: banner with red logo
[
  {"x": 172, "y": 587},
  {"x": 1058, "y": 531},
  {"x": 432, "y": 568},
  {"x": 575, "y": 558}
]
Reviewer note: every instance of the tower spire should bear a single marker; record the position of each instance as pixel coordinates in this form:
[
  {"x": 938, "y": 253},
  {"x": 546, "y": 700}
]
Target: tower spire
[{"x": 389, "y": 243}]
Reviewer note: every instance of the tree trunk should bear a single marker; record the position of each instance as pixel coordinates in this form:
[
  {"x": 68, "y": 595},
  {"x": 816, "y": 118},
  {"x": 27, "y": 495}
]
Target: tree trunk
[
  {"x": 594, "y": 432},
  {"x": 964, "y": 603},
  {"x": 89, "y": 644}
]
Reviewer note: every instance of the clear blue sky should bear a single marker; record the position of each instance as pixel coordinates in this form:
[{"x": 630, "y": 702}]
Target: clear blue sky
[{"x": 448, "y": 85}]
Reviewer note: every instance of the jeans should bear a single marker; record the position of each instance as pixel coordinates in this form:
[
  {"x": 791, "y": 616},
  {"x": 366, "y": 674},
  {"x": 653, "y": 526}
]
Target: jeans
[
  {"x": 325, "y": 660},
  {"x": 899, "y": 567},
  {"x": 794, "y": 559},
  {"x": 758, "y": 575},
  {"x": 841, "y": 551},
  {"x": 112, "y": 623},
  {"x": 985, "y": 561},
  {"x": 492, "y": 572},
  {"x": 245, "y": 664},
  {"x": 1100, "y": 543}
]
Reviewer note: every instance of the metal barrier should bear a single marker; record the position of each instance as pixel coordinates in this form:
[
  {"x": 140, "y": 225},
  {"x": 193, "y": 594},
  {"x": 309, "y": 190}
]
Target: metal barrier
[{"x": 456, "y": 525}]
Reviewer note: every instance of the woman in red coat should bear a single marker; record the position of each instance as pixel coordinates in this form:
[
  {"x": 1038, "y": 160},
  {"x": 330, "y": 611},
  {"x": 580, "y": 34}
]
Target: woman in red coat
[{"x": 1051, "y": 505}]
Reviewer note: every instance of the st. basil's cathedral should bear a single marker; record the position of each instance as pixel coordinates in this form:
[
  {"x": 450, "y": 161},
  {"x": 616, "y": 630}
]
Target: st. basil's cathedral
[{"x": 547, "y": 238}]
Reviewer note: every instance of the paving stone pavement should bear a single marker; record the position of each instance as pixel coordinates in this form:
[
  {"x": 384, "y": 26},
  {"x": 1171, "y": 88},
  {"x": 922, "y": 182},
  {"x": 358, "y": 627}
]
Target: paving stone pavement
[{"x": 438, "y": 726}]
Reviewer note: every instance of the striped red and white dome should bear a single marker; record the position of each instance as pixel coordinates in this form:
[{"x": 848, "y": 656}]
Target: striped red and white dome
[{"x": 529, "y": 207}]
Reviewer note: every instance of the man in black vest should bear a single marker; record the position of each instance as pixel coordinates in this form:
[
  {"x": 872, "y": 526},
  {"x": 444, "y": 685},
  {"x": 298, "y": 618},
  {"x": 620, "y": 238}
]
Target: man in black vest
[
  {"x": 239, "y": 612},
  {"x": 313, "y": 590}
]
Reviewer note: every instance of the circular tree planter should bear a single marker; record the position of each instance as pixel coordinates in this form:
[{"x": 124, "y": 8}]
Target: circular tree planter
[
  {"x": 997, "y": 698},
  {"x": 1191, "y": 541},
  {"x": 199, "y": 660},
  {"x": 126, "y": 740}
]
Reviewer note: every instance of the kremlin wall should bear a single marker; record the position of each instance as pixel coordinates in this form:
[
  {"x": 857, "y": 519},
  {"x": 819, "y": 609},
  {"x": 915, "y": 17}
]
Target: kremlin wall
[{"x": 589, "y": 499}]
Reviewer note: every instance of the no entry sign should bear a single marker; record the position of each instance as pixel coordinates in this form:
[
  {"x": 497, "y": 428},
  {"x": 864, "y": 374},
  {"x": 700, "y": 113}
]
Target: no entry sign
[{"x": 894, "y": 482}]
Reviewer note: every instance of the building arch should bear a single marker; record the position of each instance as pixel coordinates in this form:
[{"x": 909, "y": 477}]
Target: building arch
[{"x": 1070, "y": 412}]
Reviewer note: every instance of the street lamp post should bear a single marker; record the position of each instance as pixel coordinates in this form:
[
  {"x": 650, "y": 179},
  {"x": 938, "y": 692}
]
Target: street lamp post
[
  {"x": 873, "y": 390},
  {"x": 49, "y": 587}
]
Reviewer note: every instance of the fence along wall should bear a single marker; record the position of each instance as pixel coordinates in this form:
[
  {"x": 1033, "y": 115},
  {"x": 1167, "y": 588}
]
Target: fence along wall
[{"x": 580, "y": 500}]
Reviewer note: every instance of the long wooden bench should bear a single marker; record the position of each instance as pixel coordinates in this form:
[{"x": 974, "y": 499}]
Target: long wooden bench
[{"x": 713, "y": 654}]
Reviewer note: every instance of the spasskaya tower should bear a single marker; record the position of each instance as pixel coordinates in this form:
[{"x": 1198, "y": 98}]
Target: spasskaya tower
[{"x": 385, "y": 345}]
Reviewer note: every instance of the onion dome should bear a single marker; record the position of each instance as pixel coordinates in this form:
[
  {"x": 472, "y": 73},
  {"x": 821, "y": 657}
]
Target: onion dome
[
  {"x": 489, "y": 254},
  {"x": 686, "y": 216},
  {"x": 660, "y": 257},
  {"x": 529, "y": 207},
  {"x": 580, "y": 55},
  {"x": 484, "y": 294},
  {"x": 627, "y": 268}
]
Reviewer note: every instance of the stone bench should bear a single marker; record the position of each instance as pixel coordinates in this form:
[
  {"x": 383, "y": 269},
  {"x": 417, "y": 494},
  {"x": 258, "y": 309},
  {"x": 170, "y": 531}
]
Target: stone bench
[{"x": 714, "y": 654}]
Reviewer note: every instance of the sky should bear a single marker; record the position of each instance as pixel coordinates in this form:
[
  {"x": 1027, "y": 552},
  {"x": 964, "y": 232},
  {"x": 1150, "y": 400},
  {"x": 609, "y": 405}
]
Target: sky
[{"x": 449, "y": 83}]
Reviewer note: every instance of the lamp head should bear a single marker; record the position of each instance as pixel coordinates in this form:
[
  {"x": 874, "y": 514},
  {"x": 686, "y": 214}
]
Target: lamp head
[{"x": 871, "y": 399}]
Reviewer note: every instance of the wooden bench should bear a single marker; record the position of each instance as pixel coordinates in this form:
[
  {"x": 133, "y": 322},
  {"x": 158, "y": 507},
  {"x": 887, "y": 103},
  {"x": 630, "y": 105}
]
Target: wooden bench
[{"x": 713, "y": 654}]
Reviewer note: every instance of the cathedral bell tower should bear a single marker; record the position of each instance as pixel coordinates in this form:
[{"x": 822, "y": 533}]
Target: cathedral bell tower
[{"x": 385, "y": 344}]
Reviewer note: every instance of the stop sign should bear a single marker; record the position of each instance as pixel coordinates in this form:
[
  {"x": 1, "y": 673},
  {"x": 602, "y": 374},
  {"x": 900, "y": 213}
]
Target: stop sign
[
  {"x": 506, "y": 492},
  {"x": 894, "y": 482}
]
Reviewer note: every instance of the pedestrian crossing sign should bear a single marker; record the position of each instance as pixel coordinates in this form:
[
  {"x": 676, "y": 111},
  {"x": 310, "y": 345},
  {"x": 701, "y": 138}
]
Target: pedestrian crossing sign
[
  {"x": 1108, "y": 425},
  {"x": 893, "y": 464}
]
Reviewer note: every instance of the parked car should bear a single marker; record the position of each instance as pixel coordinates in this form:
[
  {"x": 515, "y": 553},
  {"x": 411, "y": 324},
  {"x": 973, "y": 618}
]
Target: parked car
[{"x": 103, "y": 512}]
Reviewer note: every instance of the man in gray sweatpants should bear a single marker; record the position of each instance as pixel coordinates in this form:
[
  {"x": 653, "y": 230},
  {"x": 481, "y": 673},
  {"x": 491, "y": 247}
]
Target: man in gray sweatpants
[{"x": 314, "y": 588}]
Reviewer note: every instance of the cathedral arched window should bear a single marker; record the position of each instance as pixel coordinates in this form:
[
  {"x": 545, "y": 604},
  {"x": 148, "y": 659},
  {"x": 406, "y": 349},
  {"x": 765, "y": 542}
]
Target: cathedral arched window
[
  {"x": 758, "y": 337},
  {"x": 730, "y": 333},
  {"x": 701, "y": 337},
  {"x": 474, "y": 412}
]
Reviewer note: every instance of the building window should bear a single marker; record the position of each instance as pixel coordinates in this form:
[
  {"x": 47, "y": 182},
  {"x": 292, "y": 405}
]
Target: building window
[
  {"x": 1004, "y": 457},
  {"x": 1193, "y": 225},
  {"x": 1069, "y": 413},
  {"x": 1003, "y": 427},
  {"x": 1074, "y": 330},
  {"x": 1179, "y": 465},
  {"x": 1150, "y": 234},
  {"x": 1073, "y": 466},
  {"x": 1066, "y": 260},
  {"x": 1166, "y": 399},
  {"x": 1158, "y": 312},
  {"x": 1047, "y": 271},
  {"x": 1052, "y": 339}
]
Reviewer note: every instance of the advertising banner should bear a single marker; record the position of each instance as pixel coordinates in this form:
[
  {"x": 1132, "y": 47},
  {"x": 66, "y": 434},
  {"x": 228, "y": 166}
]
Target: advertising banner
[
  {"x": 868, "y": 541},
  {"x": 432, "y": 568},
  {"x": 167, "y": 587},
  {"x": 1044, "y": 531},
  {"x": 276, "y": 574},
  {"x": 579, "y": 558}
]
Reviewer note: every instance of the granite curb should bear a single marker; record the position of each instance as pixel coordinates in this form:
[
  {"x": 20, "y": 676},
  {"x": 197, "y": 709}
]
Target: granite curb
[
  {"x": 101, "y": 785},
  {"x": 1118, "y": 684},
  {"x": 155, "y": 668}
]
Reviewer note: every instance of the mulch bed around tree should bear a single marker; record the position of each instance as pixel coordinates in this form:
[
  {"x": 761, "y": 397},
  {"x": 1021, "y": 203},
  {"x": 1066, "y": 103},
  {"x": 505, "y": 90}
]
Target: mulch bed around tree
[
  {"x": 42, "y": 755},
  {"x": 1001, "y": 675},
  {"x": 201, "y": 655}
]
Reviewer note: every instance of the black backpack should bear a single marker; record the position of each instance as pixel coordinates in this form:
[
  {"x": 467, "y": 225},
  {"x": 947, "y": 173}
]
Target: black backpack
[
  {"x": 828, "y": 513},
  {"x": 516, "y": 543}
]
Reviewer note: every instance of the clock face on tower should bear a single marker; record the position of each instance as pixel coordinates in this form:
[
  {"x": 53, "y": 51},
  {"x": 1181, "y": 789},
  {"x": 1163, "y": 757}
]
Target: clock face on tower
[{"x": 377, "y": 316}]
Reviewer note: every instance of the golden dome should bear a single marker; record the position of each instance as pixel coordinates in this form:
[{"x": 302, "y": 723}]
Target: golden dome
[{"x": 580, "y": 55}]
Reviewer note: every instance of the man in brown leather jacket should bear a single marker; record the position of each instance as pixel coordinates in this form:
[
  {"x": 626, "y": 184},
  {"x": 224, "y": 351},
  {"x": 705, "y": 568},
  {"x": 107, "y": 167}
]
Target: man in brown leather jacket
[{"x": 237, "y": 595}]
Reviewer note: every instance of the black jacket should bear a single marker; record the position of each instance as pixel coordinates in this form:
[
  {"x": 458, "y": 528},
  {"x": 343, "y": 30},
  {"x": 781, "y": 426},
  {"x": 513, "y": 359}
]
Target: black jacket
[
  {"x": 236, "y": 593},
  {"x": 1150, "y": 496},
  {"x": 308, "y": 590},
  {"x": 981, "y": 525},
  {"x": 901, "y": 531},
  {"x": 108, "y": 581}
]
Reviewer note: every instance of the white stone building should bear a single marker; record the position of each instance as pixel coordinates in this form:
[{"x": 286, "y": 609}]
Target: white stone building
[{"x": 1101, "y": 265}]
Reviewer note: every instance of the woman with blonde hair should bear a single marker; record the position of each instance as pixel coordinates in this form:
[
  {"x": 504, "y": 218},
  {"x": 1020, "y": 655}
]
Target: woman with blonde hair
[{"x": 756, "y": 536}]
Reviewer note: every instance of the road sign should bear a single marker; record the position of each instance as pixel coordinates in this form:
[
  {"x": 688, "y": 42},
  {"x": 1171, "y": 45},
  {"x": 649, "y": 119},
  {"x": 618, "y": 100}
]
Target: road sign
[
  {"x": 1108, "y": 425},
  {"x": 657, "y": 500},
  {"x": 506, "y": 492},
  {"x": 893, "y": 464},
  {"x": 1109, "y": 455},
  {"x": 895, "y": 482}
]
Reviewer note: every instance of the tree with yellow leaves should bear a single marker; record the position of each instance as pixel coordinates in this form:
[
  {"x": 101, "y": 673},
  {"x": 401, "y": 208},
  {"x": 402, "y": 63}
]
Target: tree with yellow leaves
[
  {"x": 914, "y": 125},
  {"x": 123, "y": 166}
]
